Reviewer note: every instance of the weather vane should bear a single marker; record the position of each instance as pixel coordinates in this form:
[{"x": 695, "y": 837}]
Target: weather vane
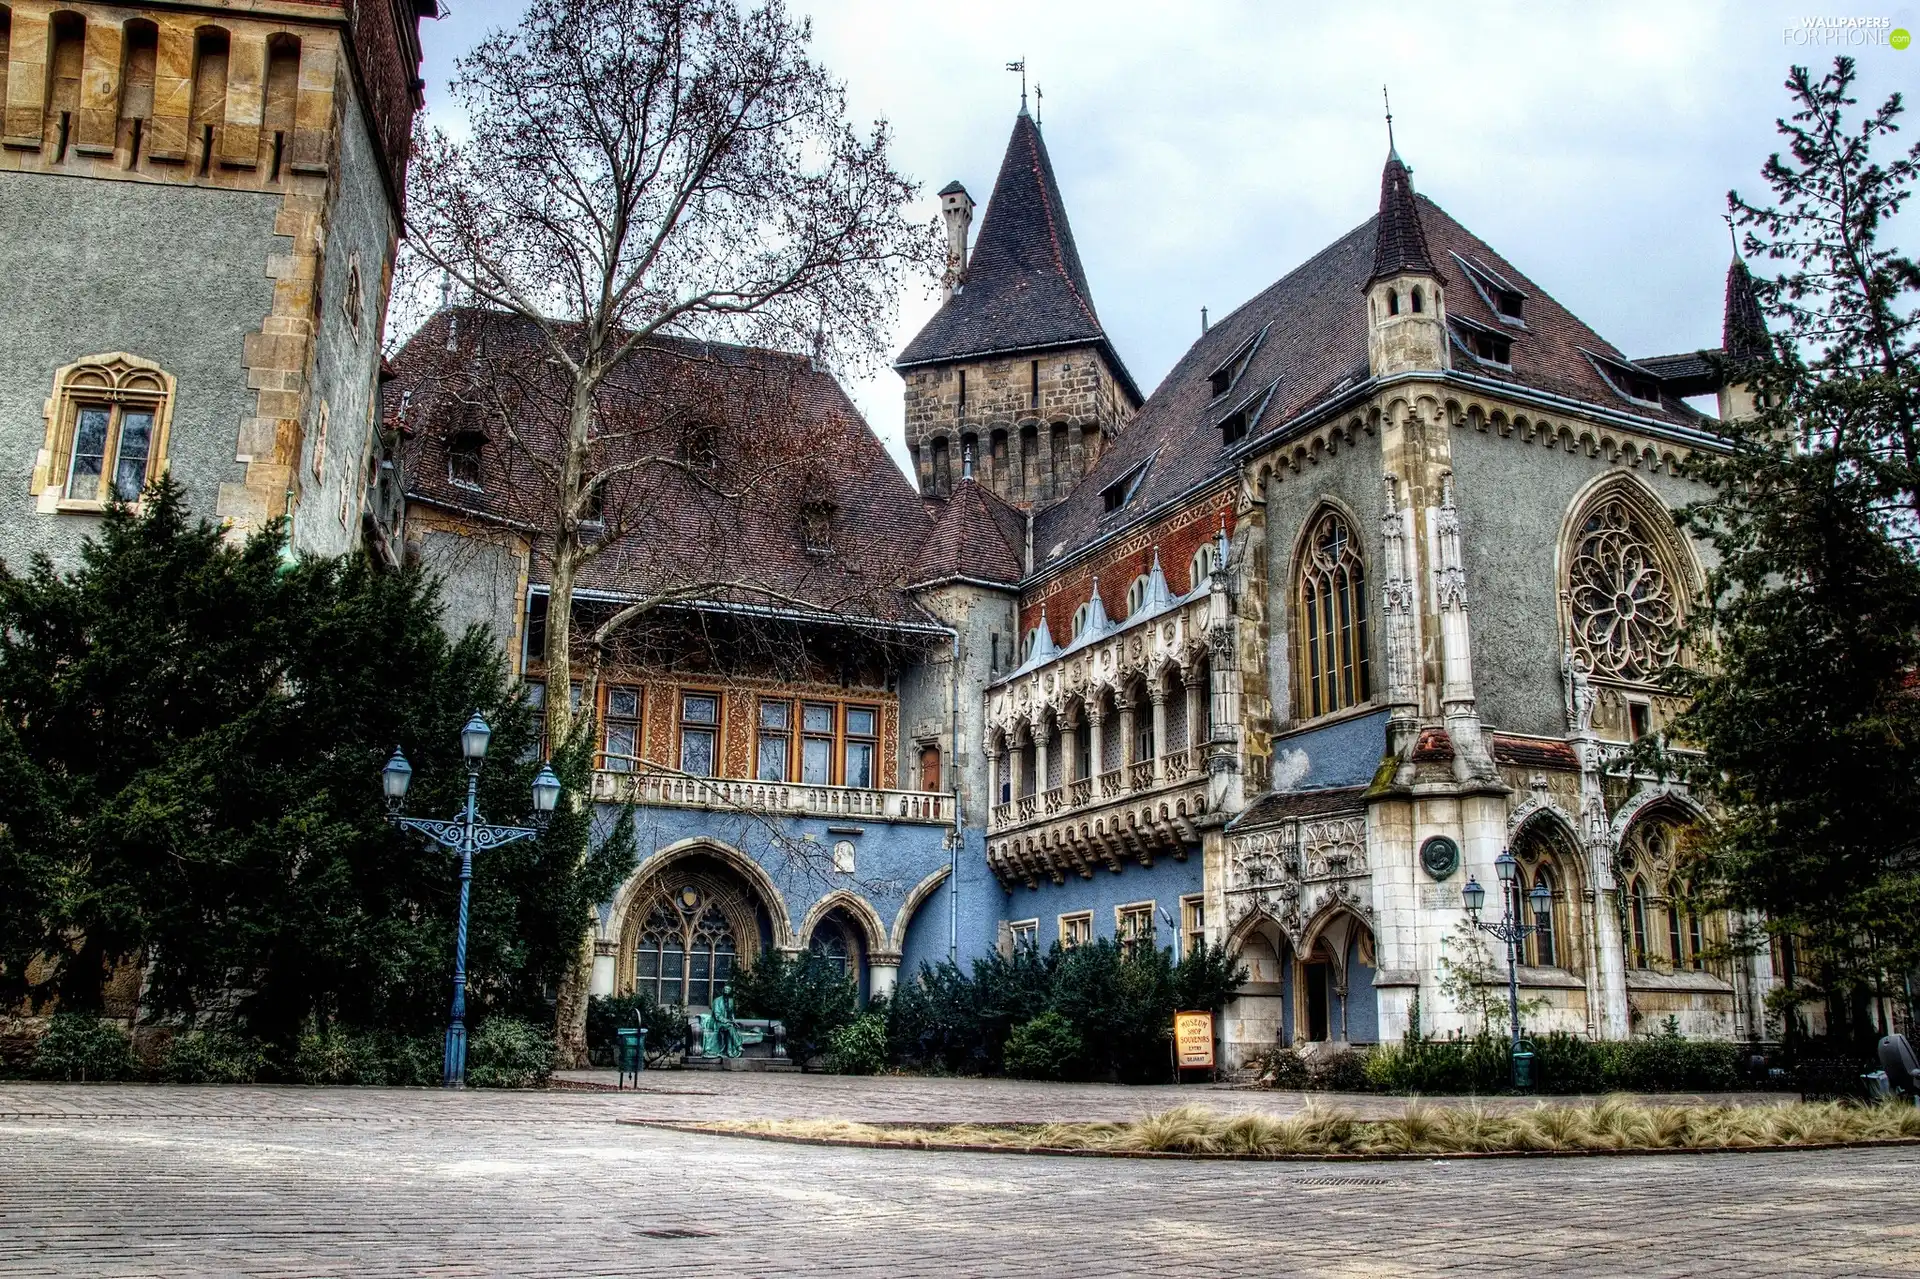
[
  {"x": 1038, "y": 98},
  {"x": 1731, "y": 233},
  {"x": 1389, "y": 105},
  {"x": 1021, "y": 67}
]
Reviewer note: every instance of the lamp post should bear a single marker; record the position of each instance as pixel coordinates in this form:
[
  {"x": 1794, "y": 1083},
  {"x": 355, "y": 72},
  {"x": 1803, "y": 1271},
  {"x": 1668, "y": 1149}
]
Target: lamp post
[
  {"x": 465, "y": 835},
  {"x": 1510, "y": 930}
]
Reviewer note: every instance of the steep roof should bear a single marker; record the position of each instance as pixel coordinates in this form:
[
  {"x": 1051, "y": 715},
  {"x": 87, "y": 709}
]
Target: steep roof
[
  {"x": 1024, "y": 287},
  {"x": 1743, "y": 329},
  {"x": 1399, "y": 243},
  {"x": 1308, "y": 334},
  {"x": 784, "y": 435},
  {"x": 975, "y": 535}
]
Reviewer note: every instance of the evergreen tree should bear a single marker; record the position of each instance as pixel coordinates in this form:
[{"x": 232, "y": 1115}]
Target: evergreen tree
[
  {"x": 190, "y": 745},
  {"x": 1804, "y": 701}
]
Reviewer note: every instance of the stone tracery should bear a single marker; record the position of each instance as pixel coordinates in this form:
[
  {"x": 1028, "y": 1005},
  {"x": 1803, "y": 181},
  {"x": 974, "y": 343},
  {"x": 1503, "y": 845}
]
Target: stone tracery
[{"x": 1626, "y": 609}]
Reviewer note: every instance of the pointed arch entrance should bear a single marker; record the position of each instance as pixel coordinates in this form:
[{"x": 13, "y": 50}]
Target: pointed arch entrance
[{"x": 690, "y": 918}]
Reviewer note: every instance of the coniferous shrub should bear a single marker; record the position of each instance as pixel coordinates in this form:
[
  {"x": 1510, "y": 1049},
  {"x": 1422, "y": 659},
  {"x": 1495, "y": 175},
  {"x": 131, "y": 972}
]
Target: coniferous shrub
[
  {"x": 342, "y": 1055},
  {"x": 666, "y": 1024},
  {"x": 79, "y": 1047},
  {"x": 507, "y": 1052},
  {"x": 1048, "y": 1047},
  {"x": 809, "y": 994}
]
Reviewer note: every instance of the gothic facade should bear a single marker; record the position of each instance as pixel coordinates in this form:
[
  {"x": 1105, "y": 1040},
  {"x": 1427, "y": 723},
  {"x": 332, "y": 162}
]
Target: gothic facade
[{"x": 1374, "y": 587}]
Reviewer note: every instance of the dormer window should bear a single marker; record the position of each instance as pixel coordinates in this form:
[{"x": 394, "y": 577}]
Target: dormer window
[
  {"x": 816, "y": 528},
  {"x": 1487, "y": 345},
  {"x": 1080, "y": 616},
  {"x": 1507, "y": 303},
  {"x": 1137, "y": 594},
  {"x": 1221, "y": 380},
  {"x": 1244, "y": 416},
  {"x": 1234, "y": 427},
  {"x": 1122, "y": 490},
  {"x": 463, "y": 459},
  {"x": 1630, "y": 381},
  {"x": 700, "y": 448}
]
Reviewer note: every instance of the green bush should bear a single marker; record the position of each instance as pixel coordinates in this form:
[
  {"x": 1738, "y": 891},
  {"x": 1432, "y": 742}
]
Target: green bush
[
  {"x": 859, "y": 1047},
  {"x": 1566, "y": 1064},
  {"x": 666, "y": 1024},
  {"x": 79, "y": 1046},
  {"x": 509, "y": 1053},
  {"x": 810, "y": 994},
  {"x": 1048, "y": 1047},
  {"x": 339, "y": 1055},
  {"x": 1666, "y": 1062},
  {"x": 1562, "y": 1063},
  {"x": 213, "y": 1057}
]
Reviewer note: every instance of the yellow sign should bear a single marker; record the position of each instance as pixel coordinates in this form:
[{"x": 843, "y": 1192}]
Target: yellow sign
[{"x": 1193, "y": 1040}]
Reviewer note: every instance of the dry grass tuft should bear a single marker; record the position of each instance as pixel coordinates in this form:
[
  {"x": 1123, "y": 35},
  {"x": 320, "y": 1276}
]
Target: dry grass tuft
[{"x": 1613, "y": 1123}]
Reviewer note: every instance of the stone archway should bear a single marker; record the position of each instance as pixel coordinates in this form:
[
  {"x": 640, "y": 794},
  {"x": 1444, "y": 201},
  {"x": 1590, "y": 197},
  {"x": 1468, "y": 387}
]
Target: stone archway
[
  {"x": 689, "y": 917},
  {"x": 1259, "y": 1018},
  {"x": 1335, "y": 995}
]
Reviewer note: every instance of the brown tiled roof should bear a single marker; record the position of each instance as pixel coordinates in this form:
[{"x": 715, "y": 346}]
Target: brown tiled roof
[
  {"x": 1314, "y": 319},
  {"x": 1532, "y": 752},
  {"x": 784, "y": 434},
  {"x": 1025, "y": 288},
  {"x": 976, "y": 535},
  {"x": 1398, "y": 243},
  {"x": 1434, "y": 747},
  {"x": 1277, "y": 805}
]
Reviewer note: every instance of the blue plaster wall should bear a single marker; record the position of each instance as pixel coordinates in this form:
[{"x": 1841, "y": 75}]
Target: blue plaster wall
[
  {"x": 980, "y": 913},
  {"x": 1164, "y": 883},
  {"x": 890, "y": 859},
  {"x": 1343, "y": 754},
  {"x": 1362, "y": 1010}
]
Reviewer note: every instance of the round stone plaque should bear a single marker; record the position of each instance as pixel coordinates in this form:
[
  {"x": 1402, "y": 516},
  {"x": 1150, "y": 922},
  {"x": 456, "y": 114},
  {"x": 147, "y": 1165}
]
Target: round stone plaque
[{"x": 1440, "y": 856}]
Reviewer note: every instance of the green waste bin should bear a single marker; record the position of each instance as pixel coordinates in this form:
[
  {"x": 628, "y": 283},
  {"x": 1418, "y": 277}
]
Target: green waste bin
[
  {"x": 1523, "y": 1069},
  {"x": 629, "y": 1053}
]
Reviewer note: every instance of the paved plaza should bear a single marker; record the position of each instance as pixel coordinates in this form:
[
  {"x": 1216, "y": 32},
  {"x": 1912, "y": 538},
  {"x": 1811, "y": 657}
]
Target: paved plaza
[{"x": 113, "y": 1180}]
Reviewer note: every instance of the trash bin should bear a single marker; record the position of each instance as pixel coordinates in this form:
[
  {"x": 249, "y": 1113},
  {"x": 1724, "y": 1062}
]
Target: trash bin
[
  {"x": 629, "y": 1053},
  {"x": 1522, "y": 1069}
]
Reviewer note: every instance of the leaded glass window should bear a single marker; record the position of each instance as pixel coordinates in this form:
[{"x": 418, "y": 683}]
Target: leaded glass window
[
  {"x": 1331, "y": 607},
  {"x": 1625, "y": 603}
]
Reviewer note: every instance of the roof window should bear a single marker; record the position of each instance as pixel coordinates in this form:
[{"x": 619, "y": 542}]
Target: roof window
[
  {"x": 816, "y": 527},
  {"x": 1221, "y": 380},
  {"x": 463, "y": 459},
  {"x": 1122, "y": 490},
  {"x": 1507, "y": 303},
  {"x": 1486, "y": 345},
  {"x": 1245, "y": 415},
  {"x": 1630, "y": 381}
]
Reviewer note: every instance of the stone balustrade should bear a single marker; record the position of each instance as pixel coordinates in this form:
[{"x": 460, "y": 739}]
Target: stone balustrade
[
  {"x": 1156, "y": 821},
  {"x": 789, "y": 799}
]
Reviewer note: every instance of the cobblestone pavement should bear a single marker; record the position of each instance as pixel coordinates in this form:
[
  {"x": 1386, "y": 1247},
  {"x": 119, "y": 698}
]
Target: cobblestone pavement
[{"x": 146, "y": 1180}]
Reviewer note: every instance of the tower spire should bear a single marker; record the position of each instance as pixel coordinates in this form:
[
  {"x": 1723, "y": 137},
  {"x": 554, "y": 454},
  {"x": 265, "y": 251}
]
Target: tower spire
[
  {"x": 1392, "y": 151},
  {"x": 1021, "y": 67},
  {"x": 1400, "y": 244}
]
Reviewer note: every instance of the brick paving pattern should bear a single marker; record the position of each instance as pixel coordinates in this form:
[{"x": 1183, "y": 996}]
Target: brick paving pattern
[{"x": 145, "y": 1180}]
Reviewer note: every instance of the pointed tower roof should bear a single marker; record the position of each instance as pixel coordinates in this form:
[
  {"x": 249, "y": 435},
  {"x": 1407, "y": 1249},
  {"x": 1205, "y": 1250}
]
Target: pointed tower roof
[
  {"x": 1399, "y": 243},
  {"x": 1743, "y": 330},
  {"x": 1025, "y": 289},
  {"x": 975, "y": 535}
]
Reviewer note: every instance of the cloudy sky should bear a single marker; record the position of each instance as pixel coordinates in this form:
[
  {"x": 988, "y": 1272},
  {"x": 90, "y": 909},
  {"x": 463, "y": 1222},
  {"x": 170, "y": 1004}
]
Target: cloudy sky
[{"x": 1205, "y": 149}]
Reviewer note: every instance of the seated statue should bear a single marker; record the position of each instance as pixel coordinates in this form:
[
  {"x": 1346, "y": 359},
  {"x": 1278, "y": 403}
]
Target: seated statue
[{"x": 720, "y": 1033}]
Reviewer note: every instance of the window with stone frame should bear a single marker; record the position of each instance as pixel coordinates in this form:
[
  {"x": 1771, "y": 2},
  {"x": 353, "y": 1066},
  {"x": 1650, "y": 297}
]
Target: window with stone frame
[
  {"x": 1545, "y": 851},
  {"x": 1193, "y": 922},
  {"x": 1624, "y": 593},
  {"x": 620, "y": 729},
  {"x": 1331, "y": 626},
  {"x": 699, "y": 733},
  {"x": 1024, "y": 934},
  {"x": 106, "y": 432},
  {"x": 1076, "y": 929},
  {"x": 1133, "y": 925}
]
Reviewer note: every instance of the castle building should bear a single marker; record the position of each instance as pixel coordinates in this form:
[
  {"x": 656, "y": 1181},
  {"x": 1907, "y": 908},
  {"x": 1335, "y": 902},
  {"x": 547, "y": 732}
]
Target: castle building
[
  {"x": 1374, "y": 587},
  {"x": 214, "y": 191}
]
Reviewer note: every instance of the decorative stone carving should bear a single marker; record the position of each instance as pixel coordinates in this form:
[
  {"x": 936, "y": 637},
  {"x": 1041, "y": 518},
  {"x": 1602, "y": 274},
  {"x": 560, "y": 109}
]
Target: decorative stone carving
[
  {"x": 1450, "y": 584},
  {"x": 1397, "y": 601},
  {"x": 1294, "y": 872},
  {"x": 1580, "y": 694},
  {"x": 1626, "y": 614}
]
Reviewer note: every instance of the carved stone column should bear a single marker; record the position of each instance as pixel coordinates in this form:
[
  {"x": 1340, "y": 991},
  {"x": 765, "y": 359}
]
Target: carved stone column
[
  {"x": 1607, "y": 975},
  {"x": 1157, "y": 691},
  {"x": 1197, "y": 696},
  {"x": 995, "y": 765},
  {"x": 1456, "y": 645},
  {"x": 1125, "y": 706},
  {"x": 1097, "y": 723},
  {"x": 1403, "y": 685},
  {"x": 1042, "y": 746}
]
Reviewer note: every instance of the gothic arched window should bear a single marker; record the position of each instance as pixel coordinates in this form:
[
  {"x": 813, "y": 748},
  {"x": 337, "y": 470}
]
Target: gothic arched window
[
  {"x": 1543, "y": 943},
  {"x": 687, "y": 949},
  {"x": 1624, "y": 593},
  {"x": 1330, "y": 608},
  {"x": 1637, "y": 895},
  {"x": 106, "y": 432}
]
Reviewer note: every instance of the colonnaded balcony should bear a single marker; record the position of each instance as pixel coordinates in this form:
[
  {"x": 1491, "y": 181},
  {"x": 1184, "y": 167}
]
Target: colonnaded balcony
[
  {"x": 1098, "y": 752},
  {"x": 790, "y": 799}
]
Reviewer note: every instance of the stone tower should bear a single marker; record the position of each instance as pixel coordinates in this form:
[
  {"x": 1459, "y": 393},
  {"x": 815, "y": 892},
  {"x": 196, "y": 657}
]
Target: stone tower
[
  {"x": 1015, "y": 368},
  {"x": 1744, "y": 343},
  {"x": 1406, "y": 308},
  {"x": 202, "y": 202}
]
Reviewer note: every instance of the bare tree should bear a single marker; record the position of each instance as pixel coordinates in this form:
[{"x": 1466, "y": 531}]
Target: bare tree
[{"x": 634, "y": 171}]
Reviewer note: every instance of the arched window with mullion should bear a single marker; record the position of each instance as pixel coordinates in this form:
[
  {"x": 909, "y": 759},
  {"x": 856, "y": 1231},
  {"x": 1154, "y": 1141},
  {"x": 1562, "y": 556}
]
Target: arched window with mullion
[{"x": 1330, "y": 601}]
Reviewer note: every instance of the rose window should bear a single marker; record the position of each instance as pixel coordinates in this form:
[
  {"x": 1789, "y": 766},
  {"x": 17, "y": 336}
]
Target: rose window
[{"x": 1626, "y": 619}]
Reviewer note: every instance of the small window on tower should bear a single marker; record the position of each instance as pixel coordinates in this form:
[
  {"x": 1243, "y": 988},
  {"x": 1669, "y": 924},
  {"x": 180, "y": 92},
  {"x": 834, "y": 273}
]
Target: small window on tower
[{"x": 463, "y": 459}]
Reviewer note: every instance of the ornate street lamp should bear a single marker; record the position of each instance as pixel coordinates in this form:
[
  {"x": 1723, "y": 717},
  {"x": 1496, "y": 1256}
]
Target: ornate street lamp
[
  {"x": 465, "y": 835},
  {"x": 1510, "y": 930}
]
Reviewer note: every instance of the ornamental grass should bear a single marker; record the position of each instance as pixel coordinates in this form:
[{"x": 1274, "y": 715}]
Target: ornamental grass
[{"x": 1610, "y": 1124}]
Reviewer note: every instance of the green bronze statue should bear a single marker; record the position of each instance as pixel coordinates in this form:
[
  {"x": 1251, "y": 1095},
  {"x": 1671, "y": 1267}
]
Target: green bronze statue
[{"x": 720, "y": 1035}]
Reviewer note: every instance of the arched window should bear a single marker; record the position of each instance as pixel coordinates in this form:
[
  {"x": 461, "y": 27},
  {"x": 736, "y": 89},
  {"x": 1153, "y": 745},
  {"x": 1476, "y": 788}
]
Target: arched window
[
  {"x": 463, "y": 459},
  {"x": 1330, "y": 607},
  {"x": 686, "y": 950},
  {"x": 1137, "y": 594},
  {"x": 1676, "y": 952},
  {"x": 1080, "y": 616},
  {"x": 1625, "y": 590},
  {"x": 1543, "y": 943},
  {"x": 1393, "y": 302},
  {"x": 1637, "y": 896},
  {"x": 830, "y": 943},
  {"x": 1417, "y": 300},
  {"x": 106, "y": 432},
  {"x": 1201, "y": 567}
]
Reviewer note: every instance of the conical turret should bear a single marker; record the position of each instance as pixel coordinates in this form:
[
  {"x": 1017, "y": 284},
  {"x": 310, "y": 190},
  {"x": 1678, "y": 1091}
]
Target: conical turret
[{"x": 1406, "y": 309}]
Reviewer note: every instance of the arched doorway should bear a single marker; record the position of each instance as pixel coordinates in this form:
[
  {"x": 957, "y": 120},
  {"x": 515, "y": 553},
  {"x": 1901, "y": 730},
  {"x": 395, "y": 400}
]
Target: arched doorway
[
  {"x": 1261, "y": 1016},
  {"x": 689, "y": 926},
  {"x": 1335, "y": 999},
  {"x": 839, "y": 940}
]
